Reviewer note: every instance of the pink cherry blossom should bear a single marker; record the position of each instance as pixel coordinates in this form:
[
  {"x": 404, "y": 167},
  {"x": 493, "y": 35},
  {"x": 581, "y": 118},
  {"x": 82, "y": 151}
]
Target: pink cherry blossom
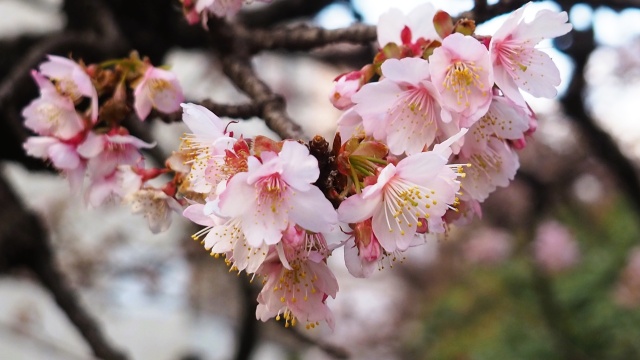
[
  {"x": 395, "y": 27},
  {"x": 461, "y": 71},
  {"x": 206, "y": 146},
  {"x": 362, "y": 251},
  {"x": 504, "y": 120},
  {"x": 345, "y": 86},
  {"x": 493, "y": 166},
  {"x": 403, "y": 109},
  {"x": 516, "y": 61},
  {"x": 52, "y": 114},
  {"x": 63, "y": 155},
  {"x": 276, "y": 191},
  {"x": 419, "y": 189},
  {"x": 349, "y": 125},
  {"x": 464, "y": 213},
  {"x": 71, "y": 80},
  {"x": 107, "y": 151},
  {"x": 113, "y": 186},
  {"x": 158, "y": 89},
  {"x": 297, "y": 288},
  {"x": 224, "y": 236},
  {"x": 488, "y": 247},
  {"x": 555, "y": 248},
  {"x": 156, "y": 206}
]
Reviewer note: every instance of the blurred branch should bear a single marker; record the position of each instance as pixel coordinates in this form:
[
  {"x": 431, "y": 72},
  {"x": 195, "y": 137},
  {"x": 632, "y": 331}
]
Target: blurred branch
[
  {"x": 613, "y": 4},
  {"x": 602, "y": 144},
  {"x": 282, "y": 10},
  {"x": 248, "y": 334},
  {"x": 305, "y": 37},
  {"x": 483, "y": 13},
  {"x": 25, "y": 242},
  {"x": 335, "y": 352},
  {"x": 47, "y": 345}
]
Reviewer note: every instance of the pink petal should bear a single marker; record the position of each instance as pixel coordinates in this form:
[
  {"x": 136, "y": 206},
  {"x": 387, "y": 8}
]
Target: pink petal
[
  {"x": 355, "y": 208},
  {"x": 312, "y": 211},
  {"x": 407, "y": 70}
]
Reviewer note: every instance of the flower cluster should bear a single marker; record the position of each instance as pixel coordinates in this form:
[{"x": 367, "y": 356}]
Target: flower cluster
[
  {"x": 77, "y": 120},
  {"x": 437, "y": 95},
  {"x": 430, "y": 128}
]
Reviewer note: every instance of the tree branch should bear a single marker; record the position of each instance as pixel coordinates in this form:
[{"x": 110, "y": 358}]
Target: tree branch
[
  {"x": 305, "y": 37},
  {"x": 24, "y": 242},
  {"x": 601, "y": 143}
]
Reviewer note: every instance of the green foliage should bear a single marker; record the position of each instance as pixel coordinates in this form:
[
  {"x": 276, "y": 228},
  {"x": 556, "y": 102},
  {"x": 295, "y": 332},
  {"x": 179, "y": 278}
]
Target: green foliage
[{"x": 495, "y": 313}]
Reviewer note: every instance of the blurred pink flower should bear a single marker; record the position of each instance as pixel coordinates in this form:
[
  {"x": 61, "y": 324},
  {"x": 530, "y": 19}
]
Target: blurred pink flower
[
  {"x": 488, "y": 247},
  {"x": 555, "y": 248},
  {"x": 52, "y": 114},
  {"x": 71, "y": 80},
  {"x": 158, "y": 89}
]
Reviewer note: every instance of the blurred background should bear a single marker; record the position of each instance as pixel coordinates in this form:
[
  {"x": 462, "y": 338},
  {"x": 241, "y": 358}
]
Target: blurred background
[{"x": 551, "y": 271}]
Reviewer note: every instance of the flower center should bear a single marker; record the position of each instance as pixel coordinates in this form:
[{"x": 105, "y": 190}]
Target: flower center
[
  {"x": 461, "y": 77},
  {"x": 51, "y": 114},
  {"x": 270, "y": 191}
]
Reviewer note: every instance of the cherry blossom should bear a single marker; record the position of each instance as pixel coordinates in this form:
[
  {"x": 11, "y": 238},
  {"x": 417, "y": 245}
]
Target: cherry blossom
[
  {"x": 396, "y": 27},
  {"x": 157, "y": 89},
  {"x": 107, "y": 151},
  {"x": 71, "y": 80},
  {"x": 461, "y": 71},
  {"x": 297, "y": 288},
  {"x": 206, "y": 147},
  {"x": 63, "y": 155},
  {"x": 345, "y": 86},
  {"x": 403, "y": 109},
  {"x": 516, "y": 61},
  {"x": 418, "y": 190},
  {"x": 112, "y": 187},
  {"x": 488, "y": 247},
  {"x": 274, "y": 192},
  {"x": 495, "y": 166},
  {"x": 156, "y": 206},
  {"x": 555, "y": 248},
  {"x": 52, "y": 114},
  {"x": 224, "y": 236},
  {"x": 362, "y": 251}
]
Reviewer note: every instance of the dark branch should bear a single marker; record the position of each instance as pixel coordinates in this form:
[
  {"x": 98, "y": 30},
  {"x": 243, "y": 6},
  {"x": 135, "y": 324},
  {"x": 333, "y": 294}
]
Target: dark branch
[
  {"x": 24, "y": 242},
  {"x": 601, "y": 143},
  {"x": 282, "y": 10},
  {"x": 239, "y": 70},
  {"x": 305, "y": 37}
]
